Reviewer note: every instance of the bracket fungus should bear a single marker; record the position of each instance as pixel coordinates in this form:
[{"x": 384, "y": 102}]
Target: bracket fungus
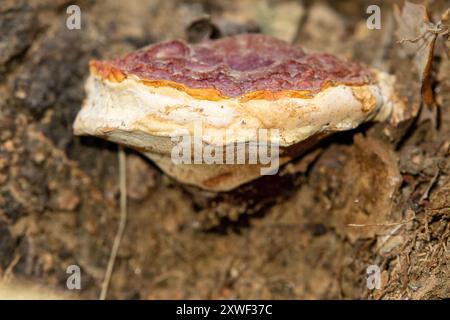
[{"x": 246, "y": 90}]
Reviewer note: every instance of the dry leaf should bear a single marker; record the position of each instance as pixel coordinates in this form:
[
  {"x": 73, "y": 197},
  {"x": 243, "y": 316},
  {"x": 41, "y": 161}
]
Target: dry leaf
[{"x": 415, "y": 33}]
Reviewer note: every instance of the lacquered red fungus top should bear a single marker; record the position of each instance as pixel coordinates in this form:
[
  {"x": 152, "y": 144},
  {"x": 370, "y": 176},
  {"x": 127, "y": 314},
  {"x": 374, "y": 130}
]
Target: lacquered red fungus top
[{"x": 236, "y": 66}]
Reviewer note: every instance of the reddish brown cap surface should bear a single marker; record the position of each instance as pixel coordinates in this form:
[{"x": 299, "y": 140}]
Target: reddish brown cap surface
[{"x": 235, "y": 66}]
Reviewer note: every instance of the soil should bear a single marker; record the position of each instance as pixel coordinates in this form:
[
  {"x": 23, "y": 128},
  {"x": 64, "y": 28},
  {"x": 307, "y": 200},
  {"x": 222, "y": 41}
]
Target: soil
[{"x": 377, "y": 195}]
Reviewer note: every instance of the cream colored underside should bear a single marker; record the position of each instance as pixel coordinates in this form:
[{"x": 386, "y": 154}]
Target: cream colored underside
[{"x": 145, "y": 118}]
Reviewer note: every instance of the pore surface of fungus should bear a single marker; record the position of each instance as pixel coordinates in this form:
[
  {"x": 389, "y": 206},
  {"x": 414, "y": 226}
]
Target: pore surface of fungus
[{"x": 238, "y": 84}]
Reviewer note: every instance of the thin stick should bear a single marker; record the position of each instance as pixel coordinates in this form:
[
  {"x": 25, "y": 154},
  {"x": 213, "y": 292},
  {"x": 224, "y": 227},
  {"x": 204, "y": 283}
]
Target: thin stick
[
  {"x": 433, "y": 181},
  {"x": 380, "y": 224},
  {"x": 122, "y": 222}
]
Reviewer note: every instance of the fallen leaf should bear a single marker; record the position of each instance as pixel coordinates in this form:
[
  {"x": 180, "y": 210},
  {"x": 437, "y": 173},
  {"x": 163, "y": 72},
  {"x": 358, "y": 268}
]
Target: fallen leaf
[{"x": 415, "y": 31}]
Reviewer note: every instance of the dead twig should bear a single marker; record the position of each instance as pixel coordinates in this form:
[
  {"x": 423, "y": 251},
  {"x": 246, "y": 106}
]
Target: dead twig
[
  {"x": 122, "y": 223},
  {"x": 8, "y": 271},
  {"x": 433, "y": 181},
  {"x": 381, "y": 224}
]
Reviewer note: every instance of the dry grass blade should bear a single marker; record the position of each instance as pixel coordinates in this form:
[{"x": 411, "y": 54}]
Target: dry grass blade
[{"x": 122, "y": 223}]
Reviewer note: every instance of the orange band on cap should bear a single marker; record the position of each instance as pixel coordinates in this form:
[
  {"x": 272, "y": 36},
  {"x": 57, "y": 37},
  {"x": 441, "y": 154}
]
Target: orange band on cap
[{"x": 108, "y": 72}]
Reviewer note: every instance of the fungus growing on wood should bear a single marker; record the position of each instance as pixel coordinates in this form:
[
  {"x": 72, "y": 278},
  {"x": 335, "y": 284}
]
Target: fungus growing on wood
[{"x": 241, "y": 91}]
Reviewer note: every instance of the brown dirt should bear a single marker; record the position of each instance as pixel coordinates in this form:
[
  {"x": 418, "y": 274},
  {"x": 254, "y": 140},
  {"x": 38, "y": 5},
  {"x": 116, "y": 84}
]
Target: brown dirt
[{"x": 377, "y": 195}]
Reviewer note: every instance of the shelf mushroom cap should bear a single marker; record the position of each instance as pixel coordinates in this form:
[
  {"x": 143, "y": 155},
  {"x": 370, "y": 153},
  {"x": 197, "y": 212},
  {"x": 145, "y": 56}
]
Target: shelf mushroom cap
[{"x": 238, "y": 84}]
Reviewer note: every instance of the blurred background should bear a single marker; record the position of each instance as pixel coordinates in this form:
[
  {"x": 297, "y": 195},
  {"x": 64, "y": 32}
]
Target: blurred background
[{"x": 59, "y": 193}]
